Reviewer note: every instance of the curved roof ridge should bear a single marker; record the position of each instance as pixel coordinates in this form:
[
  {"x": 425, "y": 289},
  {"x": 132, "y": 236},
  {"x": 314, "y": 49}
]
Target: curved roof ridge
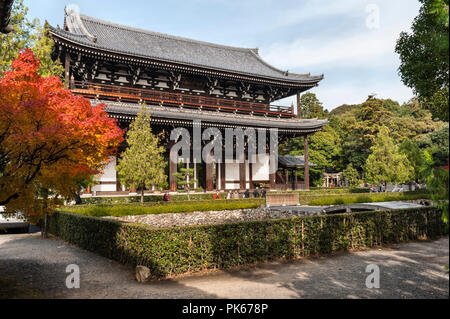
[
  {"x": 165, "y": 35},
  {"x": 100, "y": 34},
  {"x": 285, "y": 73}
]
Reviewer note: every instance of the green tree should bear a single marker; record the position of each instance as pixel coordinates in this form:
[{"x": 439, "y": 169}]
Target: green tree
[
  {"x": 185, "y": 177},
  {"x": 142, "y": 164},
  {"x": 324, "y": 150},
  {"x": 311, "y": 107},
  {"x": 43, "y": 48},
  {"x": 415, "y": 157},
  {"x": 351, "y": 175},
  {"x": 386, "y": 164},
  {"x": 27, "y": 34},
  {"x": 424, "y": 56},
  {"x": 437, "y": 145}
]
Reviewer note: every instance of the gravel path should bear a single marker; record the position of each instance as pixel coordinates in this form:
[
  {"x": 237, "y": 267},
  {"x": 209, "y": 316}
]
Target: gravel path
[{"x": 412, "y": 270}]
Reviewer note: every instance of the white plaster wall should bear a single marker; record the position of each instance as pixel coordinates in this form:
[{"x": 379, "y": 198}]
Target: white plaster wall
[
  {"x": 260, "y": 168},
  {"x": 107, "y": 175},
  {"x": 231, "y": 171}
]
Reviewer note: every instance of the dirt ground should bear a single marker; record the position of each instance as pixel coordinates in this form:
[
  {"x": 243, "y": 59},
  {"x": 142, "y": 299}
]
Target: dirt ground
[{"x": 31, "y": 267}]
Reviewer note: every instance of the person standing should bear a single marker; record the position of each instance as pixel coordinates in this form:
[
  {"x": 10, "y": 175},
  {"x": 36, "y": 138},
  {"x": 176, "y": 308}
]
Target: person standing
[{"x": 263, "y": 193}]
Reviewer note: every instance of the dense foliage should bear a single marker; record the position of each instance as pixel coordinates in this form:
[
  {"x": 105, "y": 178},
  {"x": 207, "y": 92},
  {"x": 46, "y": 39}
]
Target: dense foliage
[
  {"x": 424, "y": 56},
  {"x": 142, "y": 165},
  {"x": 165, "y": 207},
  {"x": 187, "y": 249},
  {"x": 49, "y": 139},
  {"x": 353, "y": 130},
  {"x": 28, "y": 34}
]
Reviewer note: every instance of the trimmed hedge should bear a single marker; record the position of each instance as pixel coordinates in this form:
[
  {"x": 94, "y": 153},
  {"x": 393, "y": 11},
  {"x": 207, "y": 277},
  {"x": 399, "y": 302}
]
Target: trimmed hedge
[
  {"x": 165, "y": 207},
  {"x": 305, "y": 196},
  {"x": 188, "y": 249},
  {"x": 148, "y": 198},
  {"x": 366, "y": 198}
]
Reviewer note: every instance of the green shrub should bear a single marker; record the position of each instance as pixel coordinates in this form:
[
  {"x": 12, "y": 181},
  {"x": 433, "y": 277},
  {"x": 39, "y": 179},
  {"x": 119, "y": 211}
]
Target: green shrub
[
  {"x": 367, "y": 198},
  {"x": 164, "y": 207},
  {"x": 187, "y": 249},
  {"x": 148, "y": 198}
]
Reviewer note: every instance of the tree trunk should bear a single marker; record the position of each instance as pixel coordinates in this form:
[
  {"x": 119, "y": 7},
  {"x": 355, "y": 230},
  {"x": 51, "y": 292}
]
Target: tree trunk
[
  {"x": 44, "y": 232},
  {"x": 142, "y": 196}
]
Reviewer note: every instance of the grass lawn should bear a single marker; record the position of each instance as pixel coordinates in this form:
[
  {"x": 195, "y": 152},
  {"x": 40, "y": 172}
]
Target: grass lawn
[
  {"x": 163, "y": 207},
  {"x": 185, "y": 206}
]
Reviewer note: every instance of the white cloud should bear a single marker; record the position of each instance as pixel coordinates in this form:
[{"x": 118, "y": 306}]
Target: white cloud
[{"x": 366, "y": 48}]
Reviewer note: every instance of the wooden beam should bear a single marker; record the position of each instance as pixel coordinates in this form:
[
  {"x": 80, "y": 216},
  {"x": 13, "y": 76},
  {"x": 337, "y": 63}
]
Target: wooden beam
[{"x": 306, "y": 162}]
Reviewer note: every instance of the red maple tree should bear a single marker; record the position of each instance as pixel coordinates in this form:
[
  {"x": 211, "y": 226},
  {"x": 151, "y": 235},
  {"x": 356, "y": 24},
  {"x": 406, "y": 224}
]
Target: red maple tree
[{"x": 49, "y": 138}]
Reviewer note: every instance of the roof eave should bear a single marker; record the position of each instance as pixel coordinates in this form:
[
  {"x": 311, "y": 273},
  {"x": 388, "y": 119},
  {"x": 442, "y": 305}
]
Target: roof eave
[{"x": 311, "y": 83}]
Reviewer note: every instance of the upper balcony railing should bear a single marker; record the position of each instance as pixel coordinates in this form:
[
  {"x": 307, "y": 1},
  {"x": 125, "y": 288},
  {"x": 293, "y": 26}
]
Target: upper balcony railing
[{"x": 127, "y": 94}]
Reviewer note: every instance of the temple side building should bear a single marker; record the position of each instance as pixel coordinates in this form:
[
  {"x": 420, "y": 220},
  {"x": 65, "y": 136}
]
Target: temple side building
[{"x": 182, "y": 82}]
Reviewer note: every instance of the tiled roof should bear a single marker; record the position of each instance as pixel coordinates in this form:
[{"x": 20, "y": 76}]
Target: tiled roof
[
  {"x": 293, "y": 161},
  {"x": 5, "y": 12},
  {"x": 111, "y": 37},
  {"x": 294, "y": 124}
]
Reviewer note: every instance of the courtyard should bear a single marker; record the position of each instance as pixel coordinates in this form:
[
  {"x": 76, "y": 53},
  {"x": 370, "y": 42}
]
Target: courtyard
[{"x": 36, "y": 268}]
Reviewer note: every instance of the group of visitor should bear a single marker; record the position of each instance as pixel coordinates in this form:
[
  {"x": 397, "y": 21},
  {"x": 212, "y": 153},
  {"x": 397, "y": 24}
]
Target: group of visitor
[{"x": 235, "y": 194}]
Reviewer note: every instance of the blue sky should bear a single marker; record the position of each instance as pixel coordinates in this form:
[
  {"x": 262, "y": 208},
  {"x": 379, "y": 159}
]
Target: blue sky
[{"x": 351, "y": 42}]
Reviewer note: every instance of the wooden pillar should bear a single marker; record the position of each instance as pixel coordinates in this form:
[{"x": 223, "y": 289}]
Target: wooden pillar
[
  {"x": 250, "y": 176},
  {"x": 67, "y": 70},
  {"x": 242, "y": 177},
  {"x": 306, "y": 162},
  {"x": 218, "y": 176},
  {"x": 195, "y": 175},
  {"x": 272, "y": 176},
  {"x": 209, "y": 167},
  {"x": 222, "y": 175},
  {"x": 296, "y": 179},
  {"x": 173, "y": 167},
  {"x": 299, "y": 111},
  {"x": 286, "y": 176}
]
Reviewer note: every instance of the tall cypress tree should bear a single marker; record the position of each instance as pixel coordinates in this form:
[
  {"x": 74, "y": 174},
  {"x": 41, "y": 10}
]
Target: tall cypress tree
[
  {"x": 386, "y": 164},
  {"x": 142, "y": 164}
]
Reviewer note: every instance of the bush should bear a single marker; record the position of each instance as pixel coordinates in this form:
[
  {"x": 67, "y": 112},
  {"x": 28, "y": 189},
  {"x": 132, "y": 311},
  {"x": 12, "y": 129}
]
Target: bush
[
  {"x": 148, "y": 198},
  {"x": 187, "y": 249},
  {"x": 367, "y": 198},
  {"x": 164, "y": 207}
]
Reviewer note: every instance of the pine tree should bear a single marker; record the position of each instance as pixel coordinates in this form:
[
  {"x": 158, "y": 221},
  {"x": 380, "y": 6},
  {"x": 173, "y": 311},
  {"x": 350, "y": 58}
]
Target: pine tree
[
  {"x": 386, "y": 164},
  {"x": 185, "y": 177},
  {"x": 142, "y": 164}
]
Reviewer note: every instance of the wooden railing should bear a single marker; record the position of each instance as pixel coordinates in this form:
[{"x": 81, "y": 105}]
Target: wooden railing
[{"x": 127, "y": 94}]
